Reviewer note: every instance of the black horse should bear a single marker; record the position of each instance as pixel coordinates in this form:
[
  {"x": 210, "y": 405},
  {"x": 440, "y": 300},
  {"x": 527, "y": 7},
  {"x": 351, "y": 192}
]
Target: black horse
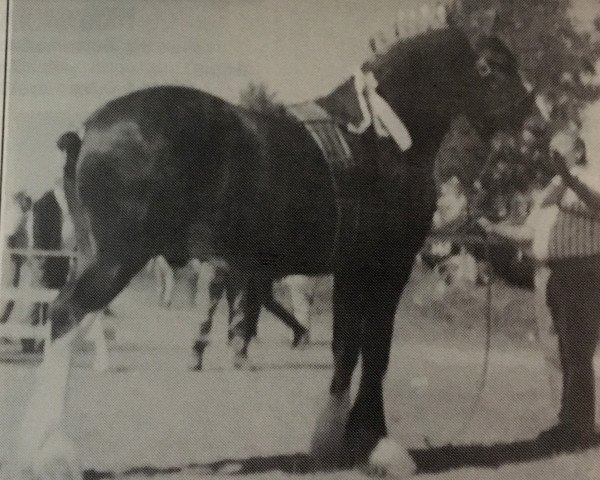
[{"x": 178, "y": 172}]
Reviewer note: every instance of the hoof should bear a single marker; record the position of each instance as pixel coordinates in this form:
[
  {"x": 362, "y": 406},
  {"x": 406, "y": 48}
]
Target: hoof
[
  {"x": 240, "y": 354},
  {"x": 198, "y": 348},
  {"x": 327, "y": 444},
  {"x": 242, "y": 362},
  {"x": 197, "y": 367},
  {"x": 301, "y": 339},
  {"x": 389, "y": 458},
  {"x": 58, "y": 459},
  {"x": 55, "y": 459}
]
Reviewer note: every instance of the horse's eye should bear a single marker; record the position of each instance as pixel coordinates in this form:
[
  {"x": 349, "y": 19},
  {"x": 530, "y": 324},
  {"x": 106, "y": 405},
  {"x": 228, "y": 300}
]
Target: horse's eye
[{"x": 483, "y": 67}]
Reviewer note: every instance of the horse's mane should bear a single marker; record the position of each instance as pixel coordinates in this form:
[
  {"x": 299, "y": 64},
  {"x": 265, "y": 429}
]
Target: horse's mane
[
  {"x": 402, "y": 53},
  {"x": 427, "y": 42}
]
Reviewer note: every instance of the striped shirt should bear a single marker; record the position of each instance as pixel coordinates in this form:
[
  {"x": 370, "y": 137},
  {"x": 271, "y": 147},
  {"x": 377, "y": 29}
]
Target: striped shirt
[{"x": 564, "y": 226}]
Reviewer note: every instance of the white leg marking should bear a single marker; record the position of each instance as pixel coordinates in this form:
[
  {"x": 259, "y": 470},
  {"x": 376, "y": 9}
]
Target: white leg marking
[
  {"x": 96, "y": 334},
  {"x": 328, "y": 438},
  {"x": 165, "y": 280},
  {"x": 169, "y": 283},
  {"x": 299, "y": 286},
  {"x": 389, "y": 458},
  {"x": 40, "y": 434},
  {"x": 57, "y": 458}
]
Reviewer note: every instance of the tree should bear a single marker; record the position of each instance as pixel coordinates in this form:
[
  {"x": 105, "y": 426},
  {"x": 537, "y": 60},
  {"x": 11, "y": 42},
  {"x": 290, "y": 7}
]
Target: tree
[{"x": 556, "y": 58}]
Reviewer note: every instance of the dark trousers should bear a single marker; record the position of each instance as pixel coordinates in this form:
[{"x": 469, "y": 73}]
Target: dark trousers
[{"x": 573, "y": 295}]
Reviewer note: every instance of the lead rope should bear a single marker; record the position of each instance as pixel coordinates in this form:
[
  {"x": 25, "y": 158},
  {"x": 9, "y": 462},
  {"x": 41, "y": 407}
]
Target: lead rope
[
  {"x": 488, "y": 314},
  {"x": 482, "y": 381}
]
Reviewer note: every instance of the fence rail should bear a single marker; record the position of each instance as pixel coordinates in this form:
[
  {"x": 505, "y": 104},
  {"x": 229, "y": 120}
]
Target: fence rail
[{"x": 38, "y": 252}]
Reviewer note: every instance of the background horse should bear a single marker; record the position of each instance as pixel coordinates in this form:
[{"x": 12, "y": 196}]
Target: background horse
[
  {"x": 177, "y": 172},
  {"x": 222, "y": 282}
]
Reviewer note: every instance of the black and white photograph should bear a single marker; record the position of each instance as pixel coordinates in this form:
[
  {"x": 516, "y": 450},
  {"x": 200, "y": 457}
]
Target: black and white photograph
[{"x": 299, "y": 239}]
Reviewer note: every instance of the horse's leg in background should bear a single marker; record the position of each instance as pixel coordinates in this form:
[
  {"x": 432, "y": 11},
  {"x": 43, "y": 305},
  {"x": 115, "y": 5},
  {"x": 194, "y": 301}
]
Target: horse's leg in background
[
  {"x": 12, "y": 270},
  {"x": 254, "y": 302},
  {"x": 298, "y": 286},
  {"x": 94, "y": 288},
  {"x": 196, "y": 269},
  {"x": 301, "y": 289},
  {"x": 328, "y": 438},
  {"x": 244, "y": 303},
  {"x": 216, "y": 278},
  {"x": 366, "y": 431},
  {"x": 165, "y": 280},
  {"x": 268, "y": 300}
]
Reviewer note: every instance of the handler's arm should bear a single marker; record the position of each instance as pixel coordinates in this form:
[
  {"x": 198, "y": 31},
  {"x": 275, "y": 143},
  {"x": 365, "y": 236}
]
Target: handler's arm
[
  {"x": 588, "y": 196},
  {"x": 521, "y": 234}
]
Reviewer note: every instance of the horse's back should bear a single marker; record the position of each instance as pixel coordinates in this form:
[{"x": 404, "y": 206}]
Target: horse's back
[{"x": 199, "y": 176}]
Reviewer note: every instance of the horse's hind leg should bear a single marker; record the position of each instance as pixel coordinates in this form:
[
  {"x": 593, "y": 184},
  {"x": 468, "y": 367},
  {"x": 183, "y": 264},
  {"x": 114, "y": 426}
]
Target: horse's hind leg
[
  {"x": 328, "y": 438},
  {"x": 288, "y": 319},
  {"x": 216, "y": 287},
  {"x": 94, "y": 288}
]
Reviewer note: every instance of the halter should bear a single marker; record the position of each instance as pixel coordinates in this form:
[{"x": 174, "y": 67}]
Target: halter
[{"x": 511, "y": 105}]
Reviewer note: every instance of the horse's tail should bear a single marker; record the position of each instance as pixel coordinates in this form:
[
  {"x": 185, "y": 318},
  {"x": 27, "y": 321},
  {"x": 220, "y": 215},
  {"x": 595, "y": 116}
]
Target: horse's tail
[{"x": 70, "y": 143}]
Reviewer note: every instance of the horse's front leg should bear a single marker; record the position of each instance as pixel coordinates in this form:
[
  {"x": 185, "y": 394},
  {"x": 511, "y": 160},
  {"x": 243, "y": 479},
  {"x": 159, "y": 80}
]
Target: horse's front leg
[
  {"x": 245, "y": 303},
  {"x": 366, "y": 431},
  {"x": 165, "y": 281}
]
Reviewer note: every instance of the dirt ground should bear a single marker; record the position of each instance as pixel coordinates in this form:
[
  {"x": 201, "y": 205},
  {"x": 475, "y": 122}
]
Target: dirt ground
[{"x": 150, "y": 416}]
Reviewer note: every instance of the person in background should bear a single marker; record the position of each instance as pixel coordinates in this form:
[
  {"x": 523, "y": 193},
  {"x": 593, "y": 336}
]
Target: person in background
[
  {"x": 563, "y": 230},
  {"x": 15, "y": 225}
]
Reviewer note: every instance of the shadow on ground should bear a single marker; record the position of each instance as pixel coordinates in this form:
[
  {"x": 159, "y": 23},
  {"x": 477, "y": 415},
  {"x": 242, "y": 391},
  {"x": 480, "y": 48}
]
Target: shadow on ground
[{"x": 428, "y": 460}]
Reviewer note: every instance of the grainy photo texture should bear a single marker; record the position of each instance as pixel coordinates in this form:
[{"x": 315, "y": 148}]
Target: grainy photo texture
[{"x": 318, "y": 239}]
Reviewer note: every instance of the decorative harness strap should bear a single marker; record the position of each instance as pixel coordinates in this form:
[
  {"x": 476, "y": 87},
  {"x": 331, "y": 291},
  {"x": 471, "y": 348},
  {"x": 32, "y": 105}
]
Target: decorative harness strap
[
  {"x": 326, "y": 134},
  {"x": 376, "y": 111}
]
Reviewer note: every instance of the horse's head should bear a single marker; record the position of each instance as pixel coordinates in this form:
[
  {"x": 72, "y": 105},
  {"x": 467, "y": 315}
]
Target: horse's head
[
  {"x": 498, "y": 100},
  {"x": 432, "y": 78}
]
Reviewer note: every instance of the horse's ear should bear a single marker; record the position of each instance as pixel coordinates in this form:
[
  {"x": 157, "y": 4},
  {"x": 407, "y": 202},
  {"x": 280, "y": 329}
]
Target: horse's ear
[
  {"x": 481, "y": 25},
  {"x": 488, "y": 21},
  {"x": 373, "y": 44}
]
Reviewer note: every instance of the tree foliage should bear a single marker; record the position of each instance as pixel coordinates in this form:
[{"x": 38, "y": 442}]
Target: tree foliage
[{"x": 555, "y": 57}]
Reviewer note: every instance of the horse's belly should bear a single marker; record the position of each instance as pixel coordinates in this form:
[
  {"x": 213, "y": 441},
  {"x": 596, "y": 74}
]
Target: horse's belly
[{"x": 297, "y": 239}]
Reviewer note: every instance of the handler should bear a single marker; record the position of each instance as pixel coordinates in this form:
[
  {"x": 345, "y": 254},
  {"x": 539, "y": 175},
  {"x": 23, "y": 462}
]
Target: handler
[{"x": 563, "y": 230}]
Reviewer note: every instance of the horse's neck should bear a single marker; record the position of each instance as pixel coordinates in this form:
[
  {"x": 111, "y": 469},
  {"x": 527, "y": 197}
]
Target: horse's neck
[{"x": 426, "y": 128}]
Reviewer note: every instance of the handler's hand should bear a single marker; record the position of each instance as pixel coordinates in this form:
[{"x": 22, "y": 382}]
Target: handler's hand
[
  {"x": 559, "y": 163},
  {"x": 485, "y": 224}
]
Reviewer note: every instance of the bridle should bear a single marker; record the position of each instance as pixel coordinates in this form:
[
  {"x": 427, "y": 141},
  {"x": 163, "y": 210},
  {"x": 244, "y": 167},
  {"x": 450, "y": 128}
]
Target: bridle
[{"x": 518, "y": 102}]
